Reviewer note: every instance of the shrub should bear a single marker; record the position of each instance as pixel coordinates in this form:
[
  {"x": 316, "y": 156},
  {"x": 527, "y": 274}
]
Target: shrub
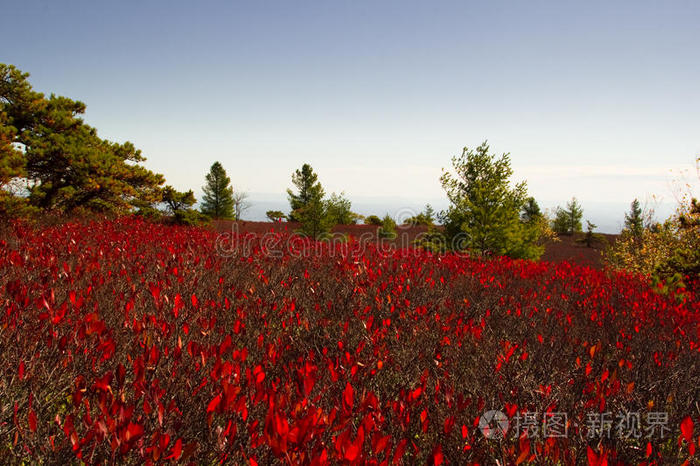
[
  {"x": 338, "y": 209},
  {"x": 591, "y": 237},
  {"x": 275, "y": 215},
  {"x": 373, "y": 220},
  {"x": 190, "y": 217},
  {"x": 669, "y": 253},
  {"x": 128, "y": 342},
  {"x": 179, "y": 206},
  {"x": 387, "y": 229},
  {"x": 427, "y": 217}
]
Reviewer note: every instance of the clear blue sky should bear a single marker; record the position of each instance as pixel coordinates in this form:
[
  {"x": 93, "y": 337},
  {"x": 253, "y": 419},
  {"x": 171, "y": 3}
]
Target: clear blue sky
[{"x": 597, "y": 100}]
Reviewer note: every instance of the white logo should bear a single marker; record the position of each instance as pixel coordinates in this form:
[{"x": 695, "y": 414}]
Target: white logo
[{"x": 494, "y": 424}]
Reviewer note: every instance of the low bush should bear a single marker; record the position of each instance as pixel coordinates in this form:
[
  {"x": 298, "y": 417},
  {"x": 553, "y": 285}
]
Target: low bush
[{"x": 125, "y": 341}]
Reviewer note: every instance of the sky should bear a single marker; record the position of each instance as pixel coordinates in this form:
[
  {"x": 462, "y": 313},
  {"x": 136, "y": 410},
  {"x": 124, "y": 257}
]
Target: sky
[{"x": 599, "y": 100}]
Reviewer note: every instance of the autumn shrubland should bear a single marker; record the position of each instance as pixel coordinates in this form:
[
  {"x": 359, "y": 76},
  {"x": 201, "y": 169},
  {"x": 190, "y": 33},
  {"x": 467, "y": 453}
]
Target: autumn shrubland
[
  {"x": 129, "y": 335},
  {"x": 123, "y": 341}
]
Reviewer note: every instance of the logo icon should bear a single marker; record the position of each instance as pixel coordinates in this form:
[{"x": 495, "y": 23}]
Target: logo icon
[{"x": 494, "y": 424}]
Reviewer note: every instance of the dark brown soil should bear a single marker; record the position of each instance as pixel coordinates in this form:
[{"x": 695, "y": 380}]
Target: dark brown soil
[{"x": 574, "y": 249}]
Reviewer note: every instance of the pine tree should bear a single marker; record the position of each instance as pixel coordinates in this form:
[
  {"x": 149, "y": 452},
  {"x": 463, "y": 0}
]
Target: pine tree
[
  {"x": 634, "y": 221},
  {"x": 387, "y": 230},
  {"x": 217, "y": 201},
  {"x": 531, "y": 210},
  {"x": 308, "y": 206},
  {"x": 339, "y": 210},
  {"x": 429, "y": 214},
  {"x": 484, "y": 215},
  {"x": 568, "y": 221},
  {"x": 306, "y": 181},
  {"x": 179, "y": 206},
  {"x": 275, "y": 215},
  {"x": 591, "y": 236},
  {"x": 314, "y": 218},
  {"x": 176, "y": 201},
  {"x": 66, "y": 165}
]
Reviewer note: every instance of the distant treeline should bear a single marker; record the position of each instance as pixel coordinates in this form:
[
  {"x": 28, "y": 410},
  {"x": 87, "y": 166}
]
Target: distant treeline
[{"x": 53, "y": 163}]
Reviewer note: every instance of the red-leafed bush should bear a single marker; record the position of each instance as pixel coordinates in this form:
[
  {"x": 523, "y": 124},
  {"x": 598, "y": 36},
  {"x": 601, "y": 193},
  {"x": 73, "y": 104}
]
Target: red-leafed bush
[{"x": 124, "y": 341}]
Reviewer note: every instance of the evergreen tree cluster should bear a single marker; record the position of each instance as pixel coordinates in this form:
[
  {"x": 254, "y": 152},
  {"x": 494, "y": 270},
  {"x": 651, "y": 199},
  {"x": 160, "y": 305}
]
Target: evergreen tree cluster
[
  {"x": 488, "y": 216},
  {"x": 316, "y": 214},
  {"x": 567, "y": 221},
  {"x": 52, "y": 161}
]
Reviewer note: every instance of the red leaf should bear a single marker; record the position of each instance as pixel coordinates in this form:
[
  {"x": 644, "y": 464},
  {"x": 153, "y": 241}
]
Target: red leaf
[
  {"x": 593, "y": 458},
  {"x": 352, "y": 452},
  {"x": 381, "y": 444},
  {"x": 524, "y": 450},
  {"x": 400, "y": 450},
  {"x": 348, "y": 397},
  {"x": 177, "y": 450},
  {"x": 155, "y": 291},
  {"x": 133, "y": 432},
  {"x": 416, "y": 393},
  {"x": 177, "y": 305},
  {"x": 687, "y": 429},
  {"x": 214, "y": 403},
  {"x": 308, "y": 384},
  {"x": 259, "y": 374},
  {"x": 281, "y": 426},
  {"x": 103, "y": 382},
  {"x": 32, "y": 420},
  {"x": 438, "y": 458},
  {"x": 161, "y": 411}
]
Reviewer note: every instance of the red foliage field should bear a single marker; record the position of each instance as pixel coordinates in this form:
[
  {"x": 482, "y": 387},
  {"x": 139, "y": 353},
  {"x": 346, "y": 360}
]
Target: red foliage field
[
  {"x": 567, "y": 248},
  {"x": 406, "y": 234},
  {"x": 130, "y": 342}
]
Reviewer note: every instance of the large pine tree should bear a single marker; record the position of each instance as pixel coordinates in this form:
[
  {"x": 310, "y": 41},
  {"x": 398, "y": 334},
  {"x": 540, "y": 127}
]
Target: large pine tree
[
  {"x": 217, "y": 201},
  {"x": 64, "y": 164},
  {"x": 484, "y": 212}
]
